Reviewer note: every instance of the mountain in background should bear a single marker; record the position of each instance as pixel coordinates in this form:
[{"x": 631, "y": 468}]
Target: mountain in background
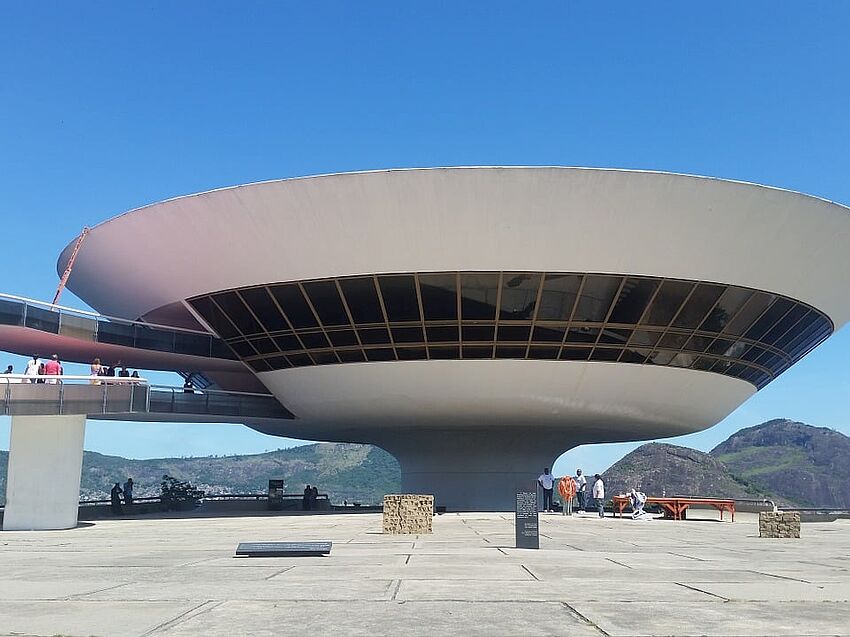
[
  {"x": 805, "y": 464},
  {"x": 357, "y": 473},
  {"x": 662, "y": 469},
  {"x": 789, "y": 462}
]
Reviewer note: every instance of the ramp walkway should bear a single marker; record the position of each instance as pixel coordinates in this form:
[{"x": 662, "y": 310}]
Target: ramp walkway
[{"x": 131, "y": 399}]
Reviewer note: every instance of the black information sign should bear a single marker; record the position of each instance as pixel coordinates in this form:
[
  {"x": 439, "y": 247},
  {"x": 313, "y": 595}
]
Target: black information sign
[{"x": 526, "y": 520}]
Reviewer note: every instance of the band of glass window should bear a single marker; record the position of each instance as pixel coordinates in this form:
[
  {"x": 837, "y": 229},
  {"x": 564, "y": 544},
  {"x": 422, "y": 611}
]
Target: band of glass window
[{"x": 740, "y": 332}]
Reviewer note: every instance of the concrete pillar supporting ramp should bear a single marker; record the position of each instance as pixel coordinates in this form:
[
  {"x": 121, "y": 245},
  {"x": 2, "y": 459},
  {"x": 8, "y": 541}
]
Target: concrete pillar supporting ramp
[{"x": 43, "y": 482}]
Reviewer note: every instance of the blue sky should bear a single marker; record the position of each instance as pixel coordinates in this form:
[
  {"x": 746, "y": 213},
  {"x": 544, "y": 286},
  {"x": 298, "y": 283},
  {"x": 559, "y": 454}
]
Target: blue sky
[{"x": 108, "y": 106}]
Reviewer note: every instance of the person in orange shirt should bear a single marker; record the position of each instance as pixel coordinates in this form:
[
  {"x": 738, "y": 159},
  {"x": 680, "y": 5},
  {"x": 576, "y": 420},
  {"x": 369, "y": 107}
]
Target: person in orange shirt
[{"x": 567, "y": 491}]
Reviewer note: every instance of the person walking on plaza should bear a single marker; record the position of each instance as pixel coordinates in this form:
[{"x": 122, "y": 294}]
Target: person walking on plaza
[
  {"x": 115, "y": 499},
  {"x": 581, "y": 490},
  {"x": 128, "y": 492},
  {"x": 599, "y": 494},
  {"x": 567, "y": 491},
  {"x": 305, "y": 501},
  {"x": 547, "y": 481},
  {"x": 32, "y": 369}
]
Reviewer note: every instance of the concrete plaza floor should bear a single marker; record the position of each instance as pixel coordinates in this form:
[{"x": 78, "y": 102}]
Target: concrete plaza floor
[{"x": 591, "y": 577}]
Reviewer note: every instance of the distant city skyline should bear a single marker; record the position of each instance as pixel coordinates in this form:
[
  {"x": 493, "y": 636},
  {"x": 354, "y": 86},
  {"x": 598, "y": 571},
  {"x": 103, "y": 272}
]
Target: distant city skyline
[{"x": 109, "y": 108}]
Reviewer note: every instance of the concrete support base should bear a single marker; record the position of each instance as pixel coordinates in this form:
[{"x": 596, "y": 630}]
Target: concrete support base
[
  {"x": 43, "y": 481},
  {"x": 476, "y": 469}
]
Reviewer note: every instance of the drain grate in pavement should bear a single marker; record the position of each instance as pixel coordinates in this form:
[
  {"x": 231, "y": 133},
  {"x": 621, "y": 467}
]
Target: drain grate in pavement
[{"x": 282, "y": 549}]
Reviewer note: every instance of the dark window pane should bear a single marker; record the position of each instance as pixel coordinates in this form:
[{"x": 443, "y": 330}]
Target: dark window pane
[
  {"x": 636, "y": 356},
  {"x": 644, "y": 338},
  {"x": 769, "y": 319},
  {"x": 478, "y": 332},
  {"x": 278, "y": 362},
  {"x": 351, "y": 356},
  {"x": 148, "y": 338},
  {"x": 439, "y": 296},
  {"x": 510, "y": 351},
  {"x": 543, "y": 352},
  {"x": 615, "y": 336},
  {"x": 703, "y": 364},
  {"x": 478, "y": 294},
  {"x": 399, "y": 292},
  {"x": 519, "y": 296},
  {"x": 380, "y": 354},
  {"x": 264, "y": 345},
  {"x": 210, "y": 312},
  {"x": 195, "y": 344},
  {"x": 442, "y": 334},
  {"x": 237, "y": 312},
  {"x": 596, "y": 298},
  {"x": 259, "y": 365},
  {"x": 575, "y": 354},
  {"x": 667, "y": 302},
  {"x": 605, "y": 354},
  {"x": 342, "y": 338},
  {"x": 672, "y": 340},
  {"x": 548, "y": 334},
  {"x": 632, "y": 301},
  {"x": 411, "y": 353},
  {"x": 583, "y": 335},
  {"x": 698, "y": 343},
  {"x": 299, "y": 360},
  {"x": 219, "y": 349},
  {"x": 325, "y": 299},
  {"x": 11, "y": 313},
  {"x": 513, "y": 332},
  {"x": 803, "y": 329},
  {"x": 324, "y": 358},
  {"x": 374, "y": 336},
  {"x": 313, "y": 340},
  {"x": 559, "y": 295},
  {"x": 788, "y": 321},
  {"x": 408, "y": 335},
  {"x": 477, "y": 351},
  {"x": 362, "y": 300},
  {"x": 749, "y": 313},
  {"x": 42, "y": 320},
  {"x": 294, "y": 305},
  {"x": 451, "y": 353},
  {"x": 123, "y": 334},
  {"x": 721, "y": 347},
  {"x": 730, "y": 303},
  {"x": 261, "y": 303},
  {"x": 288, "y": 342},
  {"x": 243, "y": 349},
  {"x": 698, "y": 305}
]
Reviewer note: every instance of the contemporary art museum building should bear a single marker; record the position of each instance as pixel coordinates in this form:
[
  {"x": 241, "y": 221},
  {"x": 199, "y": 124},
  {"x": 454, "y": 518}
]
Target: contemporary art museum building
[{"x": 474, "y": 322}]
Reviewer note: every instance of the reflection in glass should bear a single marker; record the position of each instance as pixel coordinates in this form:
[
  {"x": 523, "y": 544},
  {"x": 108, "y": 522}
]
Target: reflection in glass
[
  {"x": 558, "y": 297},
  {"x": 439, "y": 296},
  {"x": 519, "y": 296},
  {"x": 478, "y": 294}
]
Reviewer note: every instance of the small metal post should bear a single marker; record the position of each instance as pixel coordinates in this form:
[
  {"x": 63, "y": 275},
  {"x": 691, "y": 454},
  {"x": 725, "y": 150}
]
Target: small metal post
[{"x": 61, "y": 396}]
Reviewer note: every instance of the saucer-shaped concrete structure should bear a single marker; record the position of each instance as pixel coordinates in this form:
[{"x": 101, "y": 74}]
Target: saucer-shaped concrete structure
[{"x": 477, "y": 322}]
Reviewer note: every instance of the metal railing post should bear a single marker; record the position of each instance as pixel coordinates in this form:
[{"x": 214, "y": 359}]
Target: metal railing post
[
  {"x": 61, "y": 396},
  {"x": 8, "y": 397},
  {"x": 103, "y": 406}
]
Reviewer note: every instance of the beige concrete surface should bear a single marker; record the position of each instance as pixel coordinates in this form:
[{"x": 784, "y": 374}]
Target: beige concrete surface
[{"x": 590, "y": 577}]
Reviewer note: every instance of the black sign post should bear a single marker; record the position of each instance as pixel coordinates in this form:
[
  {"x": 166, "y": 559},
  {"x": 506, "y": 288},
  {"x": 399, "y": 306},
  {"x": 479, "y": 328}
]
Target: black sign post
[{"x": 527, "y": 536}]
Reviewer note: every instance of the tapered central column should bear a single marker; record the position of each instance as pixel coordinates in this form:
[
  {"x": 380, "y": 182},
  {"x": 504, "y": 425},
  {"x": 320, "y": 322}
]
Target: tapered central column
[{"x": 474, "y": 469}]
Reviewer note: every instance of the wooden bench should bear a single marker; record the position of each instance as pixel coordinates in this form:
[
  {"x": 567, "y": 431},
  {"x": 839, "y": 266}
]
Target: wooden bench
[{"x": 677, "y": 505}]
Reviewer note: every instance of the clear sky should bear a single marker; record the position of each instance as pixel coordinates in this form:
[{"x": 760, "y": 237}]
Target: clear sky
[{"x": 108, "y": 106}]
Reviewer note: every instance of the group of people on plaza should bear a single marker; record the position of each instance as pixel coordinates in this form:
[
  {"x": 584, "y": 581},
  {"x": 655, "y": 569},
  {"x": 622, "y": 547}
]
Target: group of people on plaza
[
  {"x": 311, "y": 494},
  {"x": 572, "y": 488},
  {"x": 36, "y": 368},
  {"x": 116, "y": 493}
]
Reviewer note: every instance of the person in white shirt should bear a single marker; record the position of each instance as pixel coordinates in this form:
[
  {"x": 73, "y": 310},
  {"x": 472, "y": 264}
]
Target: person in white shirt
[
  {"x": 599, "y": 494},
  {"x": 638, "y": 500},
  {"x": 32, "y": 369},
  {"x": 547, "y": 481},
  {"x": 581, "y": 490}
]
